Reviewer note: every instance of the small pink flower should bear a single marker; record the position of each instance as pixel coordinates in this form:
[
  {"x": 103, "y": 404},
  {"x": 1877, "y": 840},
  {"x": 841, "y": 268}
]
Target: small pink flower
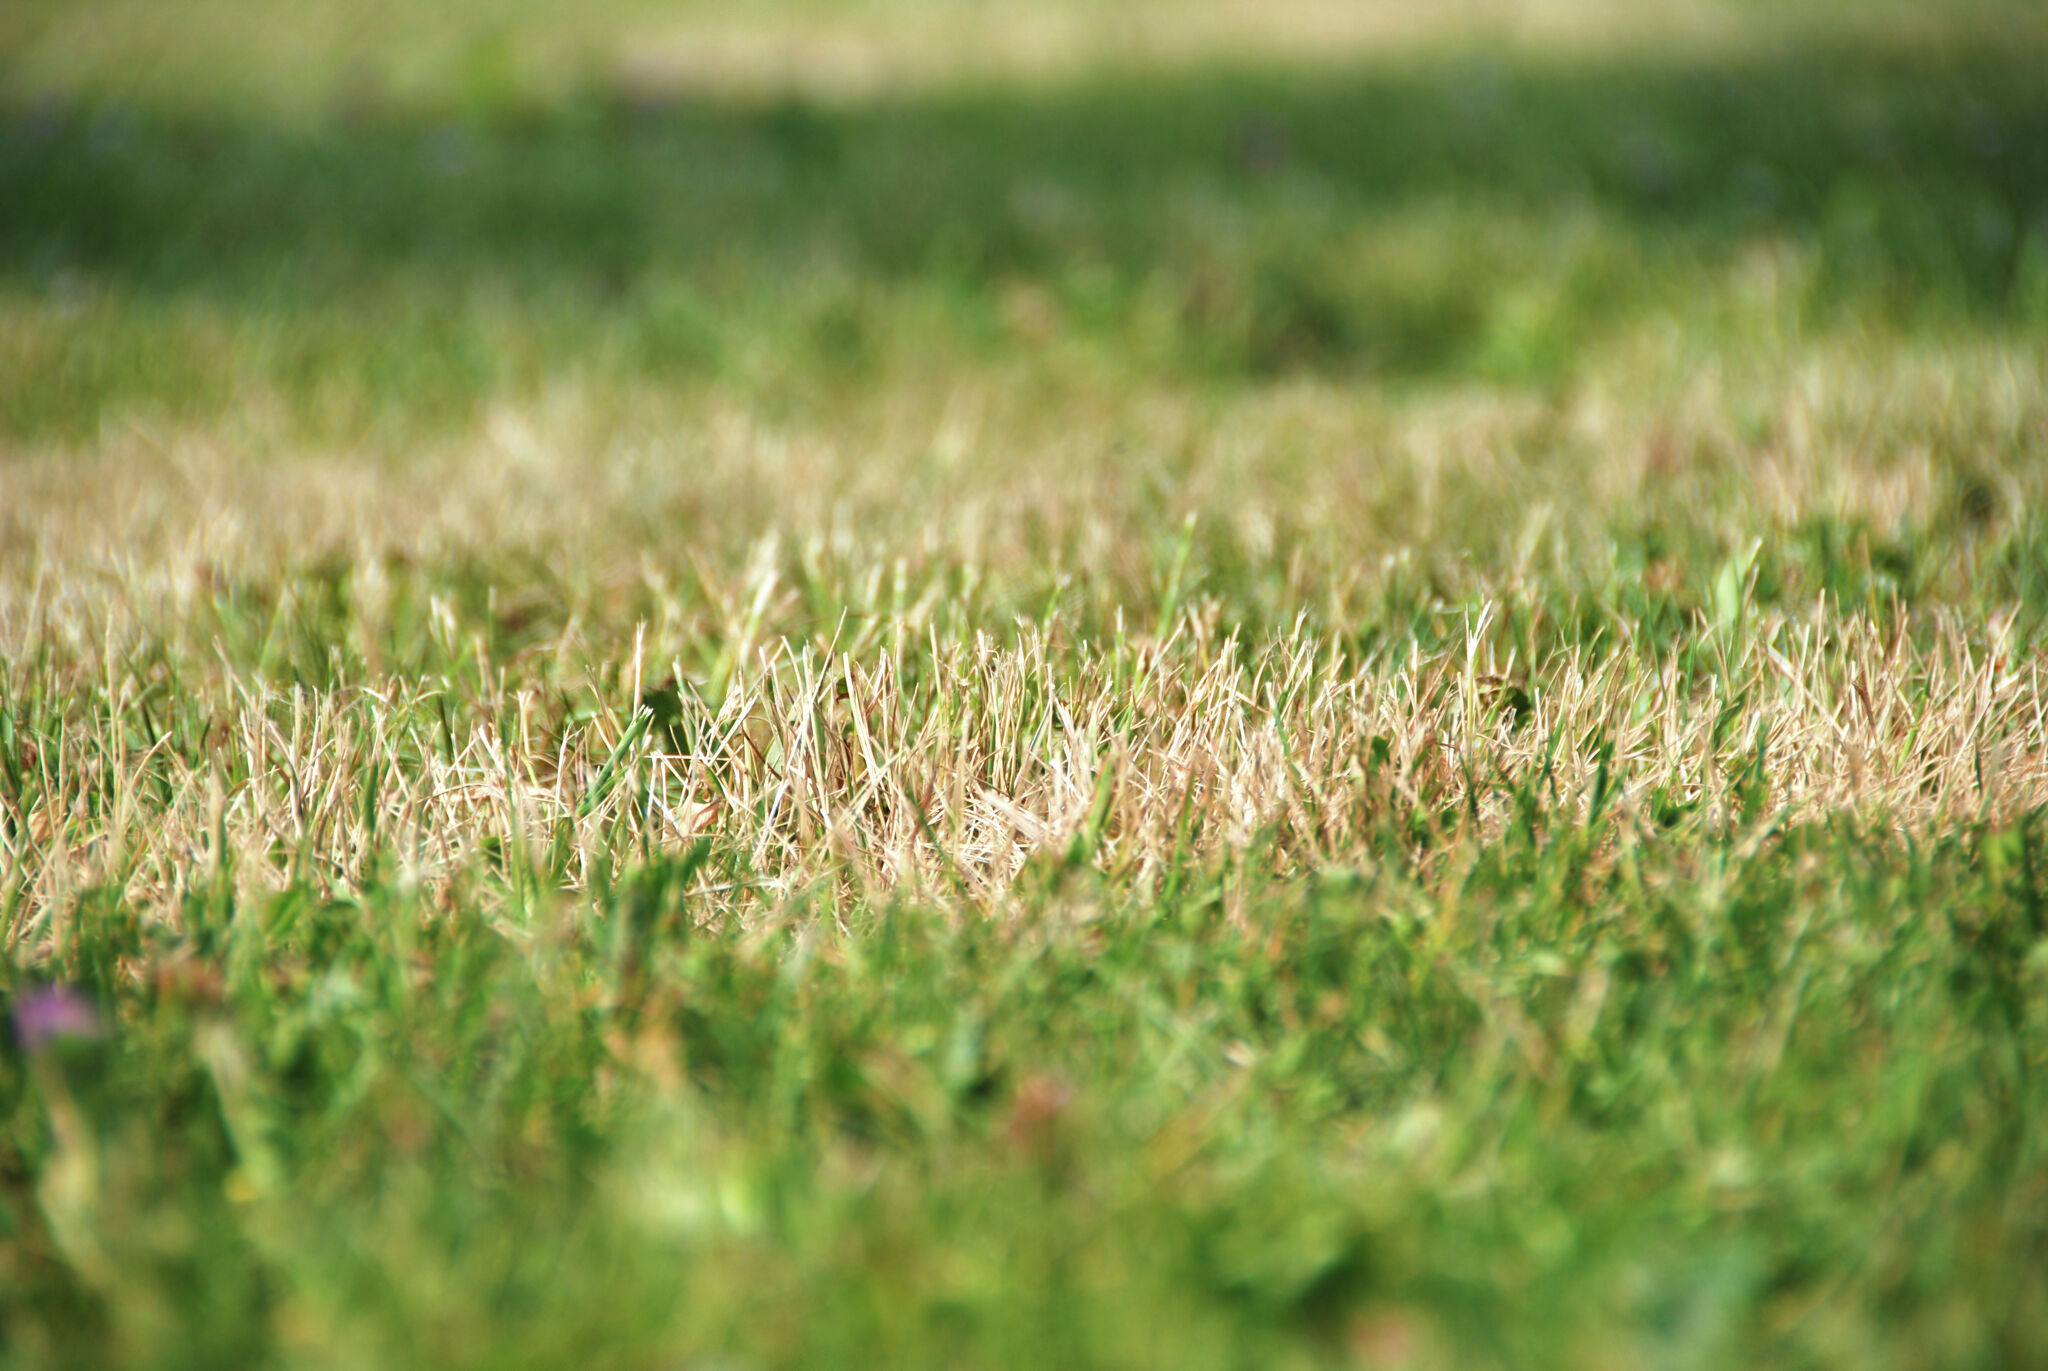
[{"x": 49, "y": 1013}]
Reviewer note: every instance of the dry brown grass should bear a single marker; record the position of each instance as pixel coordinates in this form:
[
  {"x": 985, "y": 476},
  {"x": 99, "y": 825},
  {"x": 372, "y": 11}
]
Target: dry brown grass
[
  {"x": 822, "y": 766},
  {"x": 892, "y": 739}
]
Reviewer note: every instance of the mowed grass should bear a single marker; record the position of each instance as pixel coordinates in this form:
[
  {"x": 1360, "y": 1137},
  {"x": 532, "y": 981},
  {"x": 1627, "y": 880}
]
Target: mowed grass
[{"x": 1296, "y": 687}]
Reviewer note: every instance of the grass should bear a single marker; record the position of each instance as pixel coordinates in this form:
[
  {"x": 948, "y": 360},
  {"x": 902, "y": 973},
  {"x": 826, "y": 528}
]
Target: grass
[{"x": 1129, "y": 694}]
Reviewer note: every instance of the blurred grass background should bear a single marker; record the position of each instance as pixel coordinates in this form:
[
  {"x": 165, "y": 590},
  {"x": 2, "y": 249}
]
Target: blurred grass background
[{"x": 366, "y": 223}]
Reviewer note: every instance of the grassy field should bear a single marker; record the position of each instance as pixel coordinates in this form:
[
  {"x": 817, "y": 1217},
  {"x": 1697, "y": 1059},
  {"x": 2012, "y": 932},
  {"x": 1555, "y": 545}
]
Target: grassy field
[{"x": 716, "y": 688}]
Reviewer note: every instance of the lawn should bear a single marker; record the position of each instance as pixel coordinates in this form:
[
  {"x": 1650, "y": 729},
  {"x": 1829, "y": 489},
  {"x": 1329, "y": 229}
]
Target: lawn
[{"x": 870, "y": 684}]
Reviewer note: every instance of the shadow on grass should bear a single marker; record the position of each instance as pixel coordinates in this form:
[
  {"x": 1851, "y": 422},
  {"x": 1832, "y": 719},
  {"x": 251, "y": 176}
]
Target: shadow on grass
[{"x": 1456, "y": 216}]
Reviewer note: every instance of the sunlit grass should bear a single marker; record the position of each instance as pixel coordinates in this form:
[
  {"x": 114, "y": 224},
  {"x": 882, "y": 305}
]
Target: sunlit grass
[{"x": 798, "y": 689}]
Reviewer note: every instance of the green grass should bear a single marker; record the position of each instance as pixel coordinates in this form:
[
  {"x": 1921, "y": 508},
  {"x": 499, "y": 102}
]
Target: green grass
[
  {"x": 1575, "y": 1095},
  {"x": 1360, "y": 708},
  {"x": 1447, "y": 217}
]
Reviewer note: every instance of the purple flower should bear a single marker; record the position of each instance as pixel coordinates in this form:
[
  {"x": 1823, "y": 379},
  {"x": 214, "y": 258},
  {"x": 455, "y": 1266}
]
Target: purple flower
[{"x": 49, "y": 1013}]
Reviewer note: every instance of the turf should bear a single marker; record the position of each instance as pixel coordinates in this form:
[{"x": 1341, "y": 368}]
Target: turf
[{"x": 1278, "y": 686}]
